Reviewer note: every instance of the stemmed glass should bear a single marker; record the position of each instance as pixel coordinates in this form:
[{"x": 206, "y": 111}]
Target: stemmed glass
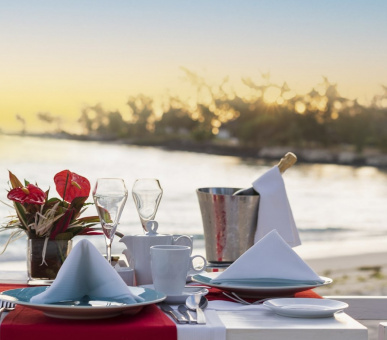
[
  {"x": 147, "y": 194},
  {"x": 110, "y": 195}
]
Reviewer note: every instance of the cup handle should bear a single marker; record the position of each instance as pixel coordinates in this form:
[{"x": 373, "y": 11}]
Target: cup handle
[
  {"x": 198, "y": 270},
  {"x": 184, "y": 237}
]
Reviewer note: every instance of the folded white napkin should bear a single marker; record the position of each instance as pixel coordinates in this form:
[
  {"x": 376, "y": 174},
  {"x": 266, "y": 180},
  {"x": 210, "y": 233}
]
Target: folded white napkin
[
  {"x": 86, "y": 273},
  {"x": 274, "y": 209},
  {"x": 270, "y": 258}
]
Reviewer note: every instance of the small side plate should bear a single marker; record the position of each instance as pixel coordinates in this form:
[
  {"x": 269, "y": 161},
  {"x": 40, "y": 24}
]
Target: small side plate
[{"x": 305, "y": 307}]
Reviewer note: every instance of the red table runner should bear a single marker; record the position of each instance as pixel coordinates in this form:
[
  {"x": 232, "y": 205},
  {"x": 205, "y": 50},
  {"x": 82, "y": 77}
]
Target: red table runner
[
  {"x": 151, "y": 323},
  {"x": 217, "y": 294}
]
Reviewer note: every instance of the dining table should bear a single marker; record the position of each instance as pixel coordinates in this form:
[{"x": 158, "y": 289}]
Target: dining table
[{"x": 152, "y": 323}]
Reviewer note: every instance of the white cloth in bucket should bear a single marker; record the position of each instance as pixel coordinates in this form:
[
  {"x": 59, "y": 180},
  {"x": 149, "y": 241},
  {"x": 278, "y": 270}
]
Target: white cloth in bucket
[{"x": 274, "y": 210}]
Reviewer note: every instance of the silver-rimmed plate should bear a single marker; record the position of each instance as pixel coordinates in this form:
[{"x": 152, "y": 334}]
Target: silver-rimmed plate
[
  {"x": 305, "y": 307},
  {"x": 260, "y": 288},
  {"x": 85, "y": 309}
]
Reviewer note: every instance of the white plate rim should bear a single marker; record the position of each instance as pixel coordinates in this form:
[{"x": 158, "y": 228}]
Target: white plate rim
[{"x": 279, "y": 305}]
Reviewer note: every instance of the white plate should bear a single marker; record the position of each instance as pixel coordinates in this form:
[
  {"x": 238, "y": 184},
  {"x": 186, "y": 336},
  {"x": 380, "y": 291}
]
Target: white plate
[
  {"x": 259, "y": 288},
  {"x": 87, "y": 309},
  {"x": 176, "y": 299},
  {"x": 305, "y": 307}
]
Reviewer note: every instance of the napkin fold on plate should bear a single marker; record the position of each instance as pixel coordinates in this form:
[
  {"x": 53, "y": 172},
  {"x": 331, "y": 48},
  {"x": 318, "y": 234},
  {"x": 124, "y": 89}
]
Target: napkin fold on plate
[
  {"x": 274, "y": 209},
  {"x": 270, "y": 260},
  {"x": 87, "y": 273}
]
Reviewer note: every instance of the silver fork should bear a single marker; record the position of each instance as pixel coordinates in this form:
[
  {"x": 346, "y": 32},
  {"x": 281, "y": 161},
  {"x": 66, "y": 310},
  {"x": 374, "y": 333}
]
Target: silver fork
[
  {"x": 237, "y": 298},
  {"x": 6, "y": 306}
]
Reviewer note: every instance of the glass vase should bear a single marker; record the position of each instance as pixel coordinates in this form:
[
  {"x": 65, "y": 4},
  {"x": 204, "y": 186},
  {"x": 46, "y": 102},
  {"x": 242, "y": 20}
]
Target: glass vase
[{"x": 43, "y": 264}]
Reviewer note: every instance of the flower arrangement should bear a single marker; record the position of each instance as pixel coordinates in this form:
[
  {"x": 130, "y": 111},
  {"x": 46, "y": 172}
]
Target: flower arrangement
[{"x": 41, "y": 217}]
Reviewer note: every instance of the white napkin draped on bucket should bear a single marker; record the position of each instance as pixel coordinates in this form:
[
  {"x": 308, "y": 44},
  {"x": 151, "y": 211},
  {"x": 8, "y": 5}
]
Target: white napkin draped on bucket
[
  {"x": 270, "y": 259},
  {"x": 86, "y": 273},
  {"x": 274, "y": 209}
]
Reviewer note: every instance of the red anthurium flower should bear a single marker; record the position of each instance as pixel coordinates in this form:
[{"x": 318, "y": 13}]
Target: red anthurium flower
[
  {"x": 29, "y": 194},
  {"x": 69, "y": 185}
]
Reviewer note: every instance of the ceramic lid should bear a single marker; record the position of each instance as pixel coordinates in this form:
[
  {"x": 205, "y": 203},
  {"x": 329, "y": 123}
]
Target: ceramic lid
[{"x": 151, "y": 227}]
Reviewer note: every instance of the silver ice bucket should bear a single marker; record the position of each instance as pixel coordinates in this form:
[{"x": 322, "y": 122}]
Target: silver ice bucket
[{"x": 229, "y": 223}]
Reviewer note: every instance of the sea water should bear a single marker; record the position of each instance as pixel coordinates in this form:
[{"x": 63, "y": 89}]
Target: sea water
[{"x": 339, "y": 210}]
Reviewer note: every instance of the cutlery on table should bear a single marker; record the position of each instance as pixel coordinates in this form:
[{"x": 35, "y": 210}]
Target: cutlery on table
[
  {"x": 6, "y": 307},
  {"x": 184, "y": 310},
  {"x": 197, "y": 303},
  {"x": 177, "y": 316},
  {"x": 233, "y": 296}
]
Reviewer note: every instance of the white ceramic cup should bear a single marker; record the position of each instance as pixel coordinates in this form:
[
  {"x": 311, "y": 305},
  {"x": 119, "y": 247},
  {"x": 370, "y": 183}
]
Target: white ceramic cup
[{"x": 170, "y": 265}]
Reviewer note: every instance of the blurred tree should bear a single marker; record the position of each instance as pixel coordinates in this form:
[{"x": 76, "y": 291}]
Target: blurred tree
[
  {"x": 97, "y": 121},
  {"x": 142, "y": 116},
  {"x": 93, "y": 119},
  {"x": 48, "y": 118},
  {"x": 268, "y": 115},
  {"x": 176, "y": 120},
  {"x": 23, "y": 123},
  {"x": 116, "y": 126},
  {"x": 212, "y": 108}
]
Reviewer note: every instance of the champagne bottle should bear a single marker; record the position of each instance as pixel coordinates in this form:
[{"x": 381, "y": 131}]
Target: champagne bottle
[{"x": 285, "y": 163}]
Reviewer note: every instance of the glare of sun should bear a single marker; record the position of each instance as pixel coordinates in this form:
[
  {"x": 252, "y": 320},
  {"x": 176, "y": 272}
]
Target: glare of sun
[
  {"x": 271, "y": 95},
  {"x": 300, "y": 107}
]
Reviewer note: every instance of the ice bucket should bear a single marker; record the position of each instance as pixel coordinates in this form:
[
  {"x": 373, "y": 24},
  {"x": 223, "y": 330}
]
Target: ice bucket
[{"x": 229, "y": 223}]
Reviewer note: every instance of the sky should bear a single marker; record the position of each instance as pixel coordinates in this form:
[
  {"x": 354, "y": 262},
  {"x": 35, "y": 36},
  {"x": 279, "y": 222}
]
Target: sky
[{"x": 60, "y": 56}]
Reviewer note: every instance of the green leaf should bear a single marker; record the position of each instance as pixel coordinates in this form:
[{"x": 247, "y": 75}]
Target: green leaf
[
  {"x": 75, "y": 230},
  {"x": 21, "y": 213},
  {"x": 64, "y": 236},
  {"x": 78, "y": 203},
  {"x": 89, "y": 219},
  {"x": 53, "y": 201}
]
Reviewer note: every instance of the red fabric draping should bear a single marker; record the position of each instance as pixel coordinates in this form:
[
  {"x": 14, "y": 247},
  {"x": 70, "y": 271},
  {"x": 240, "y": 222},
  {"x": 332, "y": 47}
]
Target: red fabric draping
[
  {"x": 216, "y": 294},
  {"x": 151, "y": 323}
]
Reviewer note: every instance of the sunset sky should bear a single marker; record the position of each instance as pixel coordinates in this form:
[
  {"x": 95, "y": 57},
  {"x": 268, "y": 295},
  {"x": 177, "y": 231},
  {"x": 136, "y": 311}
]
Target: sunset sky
[{"x": 58, "y": 56}]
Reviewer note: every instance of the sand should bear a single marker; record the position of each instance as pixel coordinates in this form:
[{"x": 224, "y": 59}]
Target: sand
[{"x": 364, "y": 274}]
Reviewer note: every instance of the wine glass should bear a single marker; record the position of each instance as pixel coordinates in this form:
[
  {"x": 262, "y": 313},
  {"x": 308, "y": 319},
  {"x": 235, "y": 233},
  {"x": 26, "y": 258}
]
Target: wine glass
[
  {"x": 110, "y": 195},
  {"x": 147, "y": 194}
]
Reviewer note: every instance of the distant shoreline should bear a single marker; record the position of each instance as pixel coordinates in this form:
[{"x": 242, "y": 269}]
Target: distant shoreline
[{"x": 340, "y": 155}]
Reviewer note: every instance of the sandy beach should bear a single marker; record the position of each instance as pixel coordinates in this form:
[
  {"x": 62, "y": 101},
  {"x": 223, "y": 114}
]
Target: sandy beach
[{"x": 364, "y": 274}]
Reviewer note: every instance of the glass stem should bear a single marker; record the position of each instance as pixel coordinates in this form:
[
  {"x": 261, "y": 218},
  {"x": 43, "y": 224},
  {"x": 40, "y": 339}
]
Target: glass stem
[
  {"x": 109, "y": 231},
  {"x": 108, "y": 248},
  {"x": 109, "y": 251}
]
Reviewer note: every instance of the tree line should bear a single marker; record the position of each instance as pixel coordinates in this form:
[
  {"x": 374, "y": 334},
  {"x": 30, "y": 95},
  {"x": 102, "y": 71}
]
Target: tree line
[{"x": 267, "y": 114}]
